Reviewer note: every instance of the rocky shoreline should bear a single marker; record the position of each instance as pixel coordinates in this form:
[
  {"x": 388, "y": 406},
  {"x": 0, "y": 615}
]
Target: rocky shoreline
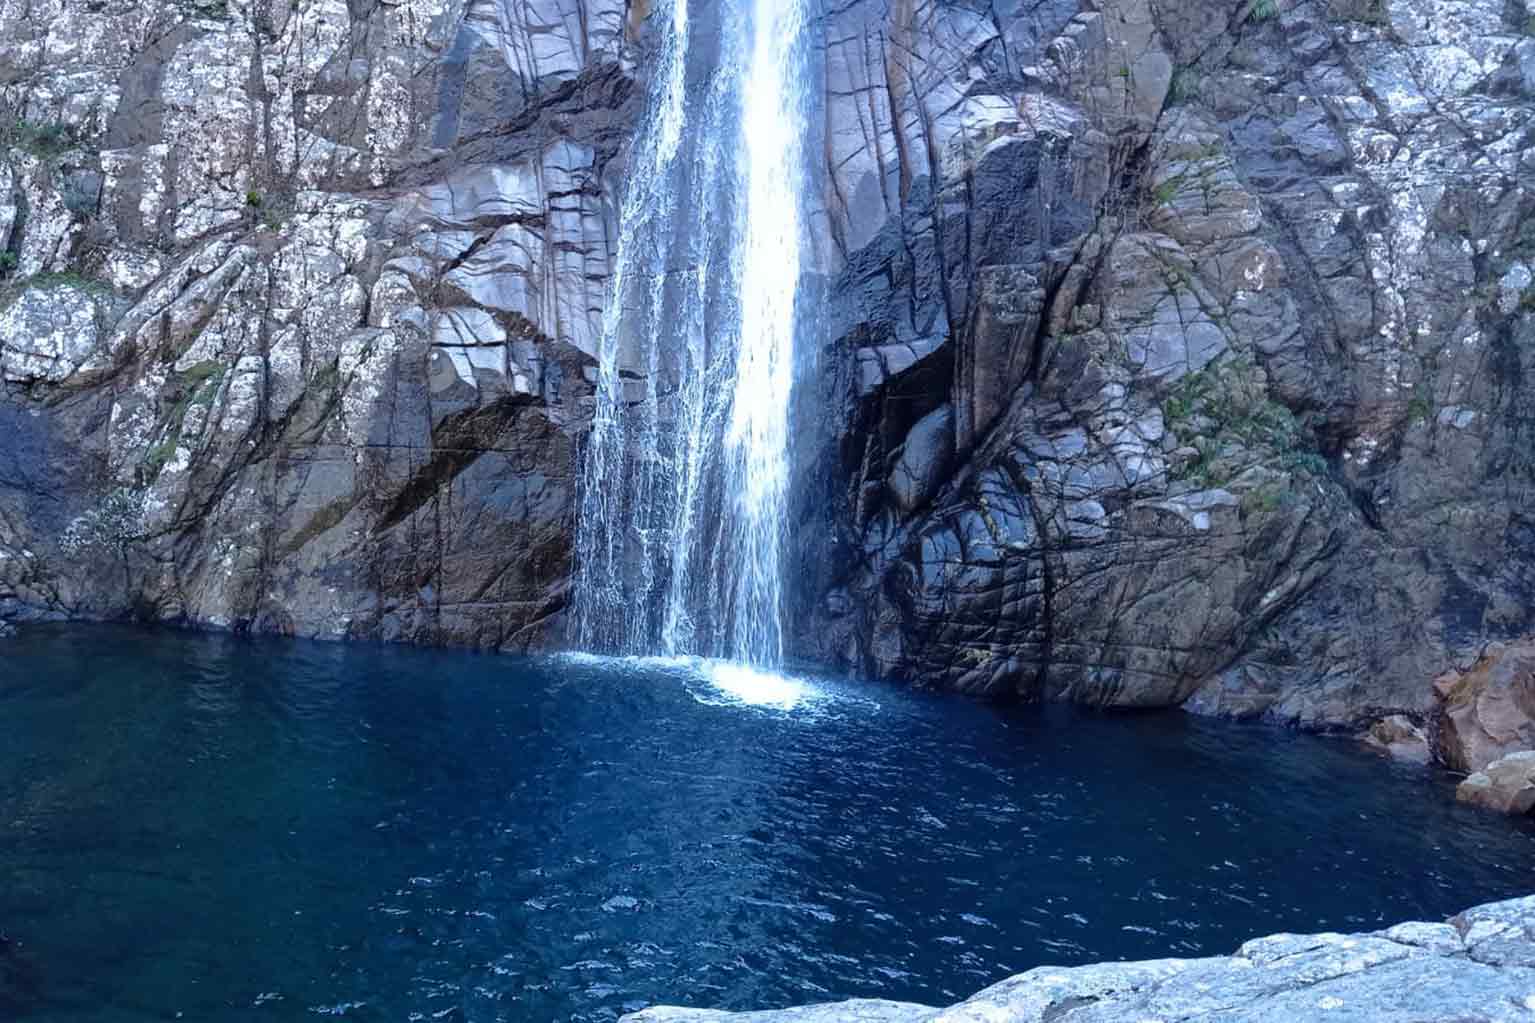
[{"x": 1478, "y": 967}]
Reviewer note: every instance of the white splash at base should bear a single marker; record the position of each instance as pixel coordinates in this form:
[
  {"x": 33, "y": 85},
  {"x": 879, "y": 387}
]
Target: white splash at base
[{"x": 730, "y": 683}]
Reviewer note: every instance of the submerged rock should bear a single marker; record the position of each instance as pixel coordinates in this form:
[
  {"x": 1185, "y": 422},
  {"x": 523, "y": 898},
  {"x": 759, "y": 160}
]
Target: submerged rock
[
  {"x": 1477, "y": 968},
  {"x": 1506, "y": 785}
]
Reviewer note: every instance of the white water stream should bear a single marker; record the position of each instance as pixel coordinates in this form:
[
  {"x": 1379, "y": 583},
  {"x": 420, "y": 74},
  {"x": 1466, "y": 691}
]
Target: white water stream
[{"x": 686, "y": 479}]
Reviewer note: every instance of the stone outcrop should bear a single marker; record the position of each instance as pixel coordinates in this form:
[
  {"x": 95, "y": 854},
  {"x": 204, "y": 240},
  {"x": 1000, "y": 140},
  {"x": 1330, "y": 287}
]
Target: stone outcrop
[
  {"x": 1174, "y": 353},
  {"x": 1487, "y": 711},
  {"x": 1477, "y": 968}
]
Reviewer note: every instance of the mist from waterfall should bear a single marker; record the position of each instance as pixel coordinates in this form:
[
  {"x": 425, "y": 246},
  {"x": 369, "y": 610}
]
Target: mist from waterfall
[{"x": 680, "y": 545}]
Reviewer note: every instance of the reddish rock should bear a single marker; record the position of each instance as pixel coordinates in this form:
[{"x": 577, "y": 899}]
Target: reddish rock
[{"x": 1487, "y": 711}]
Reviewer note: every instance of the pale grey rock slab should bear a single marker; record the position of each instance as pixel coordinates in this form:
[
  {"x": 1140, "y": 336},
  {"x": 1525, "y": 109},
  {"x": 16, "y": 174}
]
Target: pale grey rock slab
[{"x": 1476, "y": 969}]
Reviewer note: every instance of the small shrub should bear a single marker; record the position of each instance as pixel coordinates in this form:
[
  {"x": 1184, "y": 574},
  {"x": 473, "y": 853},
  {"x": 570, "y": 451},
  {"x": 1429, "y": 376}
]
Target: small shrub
[
  {"x": 253, "y": 199},
  {"x": 7, "y": 261}
]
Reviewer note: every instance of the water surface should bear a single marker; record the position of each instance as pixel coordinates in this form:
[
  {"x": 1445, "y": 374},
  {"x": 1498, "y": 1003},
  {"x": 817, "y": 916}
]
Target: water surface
[{"x": 228, "y": 829}]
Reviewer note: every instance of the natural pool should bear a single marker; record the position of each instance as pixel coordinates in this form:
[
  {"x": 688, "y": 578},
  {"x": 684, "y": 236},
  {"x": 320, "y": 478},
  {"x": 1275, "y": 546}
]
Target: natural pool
[{"x": 214, "y": 828}]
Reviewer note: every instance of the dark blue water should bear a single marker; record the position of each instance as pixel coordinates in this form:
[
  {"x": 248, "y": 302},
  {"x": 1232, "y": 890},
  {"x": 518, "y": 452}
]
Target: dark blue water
[{"x": 220, "y": 829}]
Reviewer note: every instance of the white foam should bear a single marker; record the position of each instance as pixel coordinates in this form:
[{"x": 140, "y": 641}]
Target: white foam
[
  {"x": 758, "y": 687},
  {"x": 730, "y": 683}
]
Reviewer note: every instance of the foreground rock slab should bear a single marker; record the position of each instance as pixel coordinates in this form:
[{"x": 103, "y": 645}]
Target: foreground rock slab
[{"x": 1477, "y": 968}]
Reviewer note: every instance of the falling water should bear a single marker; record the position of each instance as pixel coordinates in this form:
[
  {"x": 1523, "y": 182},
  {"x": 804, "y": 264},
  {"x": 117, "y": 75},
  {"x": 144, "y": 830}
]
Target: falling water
[{"x": 680, "y": 544}]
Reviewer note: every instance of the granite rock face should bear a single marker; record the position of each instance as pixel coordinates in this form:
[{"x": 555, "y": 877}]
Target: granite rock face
[
  {"x": 1172, "y": 353},
  {"x": 1477, "y": 968},
  {"x": 295, "y": 304},
  {"x": 1229, "y": 310}
]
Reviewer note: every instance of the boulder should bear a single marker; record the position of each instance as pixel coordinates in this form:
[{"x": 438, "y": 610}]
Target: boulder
[
  {"x": 1488, "y": 710},
  {"x": 1506, "y": 785}
]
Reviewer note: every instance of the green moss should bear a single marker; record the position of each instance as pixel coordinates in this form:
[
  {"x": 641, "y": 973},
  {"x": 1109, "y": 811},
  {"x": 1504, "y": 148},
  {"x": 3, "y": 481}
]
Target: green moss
[
  {"x": 80, "y": 198},
  {"x": 41, "y": 140},
  {"x": 199, "y": 387},
  {"x": 208, "y": 369},
  {"x": 215, "y": 9},
  {"x": 1264, "y": 500},
  {"x": 1204, "y": 470},
  {"x": 1419, "y": 409},
  {"x": 158, "y": 456},
  {"x": 1183, "y": 86},
  {"x": 7, "y": 261},
  {"x": 253, "y": 199},
  {"x": 1305, "y": 461},
  {"x": 68, "y": 279},
  {"x": 1167, "y": 190},
  {"x": 1223, "y": 411},
  {"x": 326, "y": 377},
  {"x": 1263, "y": 10}
]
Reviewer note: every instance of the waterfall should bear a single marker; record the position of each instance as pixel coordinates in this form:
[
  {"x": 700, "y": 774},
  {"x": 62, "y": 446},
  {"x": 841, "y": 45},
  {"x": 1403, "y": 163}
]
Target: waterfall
[{"x": 680, "y": 542}]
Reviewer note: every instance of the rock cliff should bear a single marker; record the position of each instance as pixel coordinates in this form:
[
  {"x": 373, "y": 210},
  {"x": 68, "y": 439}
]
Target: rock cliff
[
  {"x": 1477, "y": 969},
  {"x": 1171, "y": 352}
]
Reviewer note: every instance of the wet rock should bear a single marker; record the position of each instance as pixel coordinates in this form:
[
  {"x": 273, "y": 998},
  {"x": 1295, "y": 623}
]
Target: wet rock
[
  {"x": 924, "y": 460},
  {"x": 1399, "y": 738},
  {"x": 1506, "y": 785},
  {"x": 1475, "y": 967}
]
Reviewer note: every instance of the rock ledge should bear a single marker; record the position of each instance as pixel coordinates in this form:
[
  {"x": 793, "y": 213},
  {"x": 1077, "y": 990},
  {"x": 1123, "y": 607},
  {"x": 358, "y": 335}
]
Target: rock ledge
[{"x": 1477, "y": 968}]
